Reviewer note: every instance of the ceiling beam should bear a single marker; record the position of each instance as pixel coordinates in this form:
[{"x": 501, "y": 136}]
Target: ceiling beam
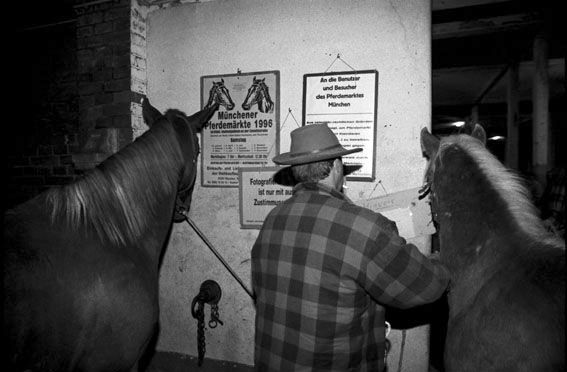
[
  {"x": 483, "y": 26},
  {"x": 451, "y": 4}
]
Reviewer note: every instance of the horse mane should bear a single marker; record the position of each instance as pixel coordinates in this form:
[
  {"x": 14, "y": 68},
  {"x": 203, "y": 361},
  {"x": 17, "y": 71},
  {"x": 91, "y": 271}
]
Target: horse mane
[
  {"x": 266, "y": 91},
  {"x": 116, "y": 199},
  {"x": 508, "y": 184},
  {"x": 211, "y": 95}
]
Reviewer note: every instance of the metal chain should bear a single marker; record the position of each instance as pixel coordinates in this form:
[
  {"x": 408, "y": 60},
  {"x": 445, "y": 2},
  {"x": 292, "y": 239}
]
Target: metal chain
[
  {"x": 201, "y": 344},
  {"x": 215, "y": 316}
]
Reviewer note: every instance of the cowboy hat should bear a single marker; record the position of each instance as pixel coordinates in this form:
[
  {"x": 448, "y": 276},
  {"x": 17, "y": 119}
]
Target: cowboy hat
[
  {"x": 312, "y": 143},
  {"x": 284, "y": 175}
]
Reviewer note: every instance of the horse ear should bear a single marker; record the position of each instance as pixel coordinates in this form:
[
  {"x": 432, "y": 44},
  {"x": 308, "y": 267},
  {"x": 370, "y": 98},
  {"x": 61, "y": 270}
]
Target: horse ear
[
  {"x": 429, "y": 143},
  {"x": 199, "y": 119},
  {"x": 479, "y": 133},
  {"x": 149, "y": 112}
]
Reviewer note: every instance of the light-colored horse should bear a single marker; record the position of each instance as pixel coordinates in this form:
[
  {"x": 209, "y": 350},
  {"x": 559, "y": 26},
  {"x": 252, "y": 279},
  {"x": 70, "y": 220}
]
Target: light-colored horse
[{"x": 507, "y": 292}]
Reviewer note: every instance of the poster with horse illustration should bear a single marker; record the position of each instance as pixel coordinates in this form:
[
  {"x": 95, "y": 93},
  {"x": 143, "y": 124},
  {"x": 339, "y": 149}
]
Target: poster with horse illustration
[{"x": 244, "y": 132}]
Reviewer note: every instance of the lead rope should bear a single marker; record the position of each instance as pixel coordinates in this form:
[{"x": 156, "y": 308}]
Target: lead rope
[
  {"x": 402, "y": 346},
  {"x": 217, "y": 254},
  {"x": 387, "y": 344},
  {"x": 388, "y": 347}
]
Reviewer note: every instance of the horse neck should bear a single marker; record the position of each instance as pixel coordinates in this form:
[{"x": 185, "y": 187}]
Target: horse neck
[
  {"x": 482, "y": 208},
  {"x": 265, "y": 100},
  {"x": 128, "y": 200},
  {"x": 470, "y": 234},
  {"x": 262, "y": 104},
  {"x": 470, "y": 211}
]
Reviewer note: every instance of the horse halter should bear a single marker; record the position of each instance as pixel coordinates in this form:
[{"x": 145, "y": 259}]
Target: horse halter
[
  {"x": 181, "y": 204},
  {"x": 424, "y": 190},
  {"x": 427, "y": 181},
  {"x": 184, "y": 193}
]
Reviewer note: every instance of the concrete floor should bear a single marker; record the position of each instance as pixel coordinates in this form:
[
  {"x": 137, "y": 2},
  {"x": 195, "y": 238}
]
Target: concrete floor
[{"x": 175, "y": 362}]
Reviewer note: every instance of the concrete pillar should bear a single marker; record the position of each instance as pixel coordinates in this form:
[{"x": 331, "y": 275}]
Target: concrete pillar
[
  {"x": 111, "y": 69},
  {"x": 138, "y": 59},
  {"x": 512, "y": 118},
  {"x": 540, "y": 115}
]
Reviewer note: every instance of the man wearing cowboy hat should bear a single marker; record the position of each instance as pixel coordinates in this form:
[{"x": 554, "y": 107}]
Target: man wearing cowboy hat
[{"x": 323, "y": 269}]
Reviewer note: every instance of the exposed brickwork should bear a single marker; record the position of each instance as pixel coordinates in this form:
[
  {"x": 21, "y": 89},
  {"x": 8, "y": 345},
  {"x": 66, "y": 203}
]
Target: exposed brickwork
[
  {"x": 40, "y": 141},
  {"x": 103, "y": 54},
  {"x": 138, "y": 58},
  {"x": 81, "y": 90},
  {"x": 48, "y": 165}
]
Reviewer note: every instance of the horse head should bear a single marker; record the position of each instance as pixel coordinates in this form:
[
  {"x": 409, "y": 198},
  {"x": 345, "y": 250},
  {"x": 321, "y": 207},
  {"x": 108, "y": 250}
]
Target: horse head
[
  {"x": 441, "y": 180},
  {"x": 219, "y": 94},
  {"x": 258, "y": 94},
  {"x": 430, "y": 148},
  {"x": 186, "y": 128}
]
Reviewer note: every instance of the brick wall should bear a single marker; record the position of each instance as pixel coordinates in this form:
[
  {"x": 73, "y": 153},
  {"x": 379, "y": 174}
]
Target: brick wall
[
  {"x": 40, "y": 167},
  {"x": 77, "y": 95},
  {"x": 104, "y": 69},
  {"x": 41, "y": 135}
]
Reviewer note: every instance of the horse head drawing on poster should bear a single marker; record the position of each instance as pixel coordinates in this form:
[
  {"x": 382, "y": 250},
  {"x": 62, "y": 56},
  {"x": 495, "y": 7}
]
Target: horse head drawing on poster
[
  {"x": 259, "y": 94},
  {"x": 220, "y": 94}
]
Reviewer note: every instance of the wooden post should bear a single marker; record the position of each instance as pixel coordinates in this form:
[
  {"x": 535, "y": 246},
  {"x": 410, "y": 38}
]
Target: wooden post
[
  {"x": 474, "y": 119},
  {"x": 540, "y": 114},
  {"x": 512, "y": 118}
]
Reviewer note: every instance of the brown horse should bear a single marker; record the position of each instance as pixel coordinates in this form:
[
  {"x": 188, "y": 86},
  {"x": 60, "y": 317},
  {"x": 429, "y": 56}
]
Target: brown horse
[
  {"x": 507, "y": 293},
  {"x": 81, "y": 261}
]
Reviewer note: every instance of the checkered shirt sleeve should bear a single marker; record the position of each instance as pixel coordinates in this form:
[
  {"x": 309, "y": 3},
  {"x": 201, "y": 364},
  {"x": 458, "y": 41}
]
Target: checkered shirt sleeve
[{"x": 322, "y": 268}]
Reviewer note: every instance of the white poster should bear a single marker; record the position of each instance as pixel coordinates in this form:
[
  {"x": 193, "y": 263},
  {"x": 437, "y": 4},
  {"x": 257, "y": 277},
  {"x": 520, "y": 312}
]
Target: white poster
[
  {"x": 259, "y": 194},
  {"x": 244, "y": 132},
  {"x": 408, "y": 209},
  {"x": 347, "y": 102}
]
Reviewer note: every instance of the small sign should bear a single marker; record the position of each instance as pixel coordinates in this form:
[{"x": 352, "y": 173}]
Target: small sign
[
  {"x": 259, "y": 194},
  {"x": 347, "y": 102},
  {"x": 244, "y": 132},
  {"x": 411, "y": 214}
]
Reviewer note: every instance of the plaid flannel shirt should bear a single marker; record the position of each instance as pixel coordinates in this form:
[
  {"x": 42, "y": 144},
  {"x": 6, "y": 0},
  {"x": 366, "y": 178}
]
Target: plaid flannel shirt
[{"x": 322, "y": 267}]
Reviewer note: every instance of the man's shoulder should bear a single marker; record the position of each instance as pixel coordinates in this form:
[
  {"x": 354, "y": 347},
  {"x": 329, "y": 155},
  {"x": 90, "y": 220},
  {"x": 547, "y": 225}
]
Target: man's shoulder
[{"x": 361, "y": 213}]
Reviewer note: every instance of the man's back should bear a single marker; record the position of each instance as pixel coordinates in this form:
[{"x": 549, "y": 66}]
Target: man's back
[{"x": 308, "y": 259}]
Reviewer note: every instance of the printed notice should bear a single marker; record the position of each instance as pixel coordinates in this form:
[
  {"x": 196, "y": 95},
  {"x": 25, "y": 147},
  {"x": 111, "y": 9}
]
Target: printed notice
[
  {"x": 259, "y": 194},
  {"x": 244, "y": 132},
  {"x": 411, "y": 214},
  {"x": 347, "y": 102}
]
